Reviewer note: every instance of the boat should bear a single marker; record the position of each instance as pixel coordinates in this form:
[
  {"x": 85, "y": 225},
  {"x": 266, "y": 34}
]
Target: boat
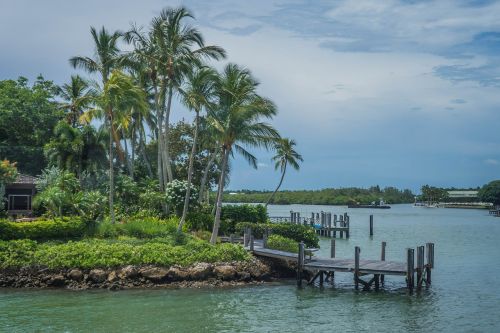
[{"x": 380, "y": 205}]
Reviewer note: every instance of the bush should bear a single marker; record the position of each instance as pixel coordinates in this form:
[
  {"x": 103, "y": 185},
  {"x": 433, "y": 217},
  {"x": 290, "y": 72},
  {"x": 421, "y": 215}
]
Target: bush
[
  {"x": 148, "y": 227},
  {"x": 199, "y": 220},
  {"x": 281, "y": 243},
  {"x": 113, "y": 253},
  {"x": 59, "y": 228},
  {"x": 176, "y": 193},
  {"x": 297, "y": 232},
  {"x": 244, "y": 213}
]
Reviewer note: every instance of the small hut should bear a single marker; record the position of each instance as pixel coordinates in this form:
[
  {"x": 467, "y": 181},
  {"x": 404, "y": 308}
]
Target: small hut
[{"x": 19, "y": 195}]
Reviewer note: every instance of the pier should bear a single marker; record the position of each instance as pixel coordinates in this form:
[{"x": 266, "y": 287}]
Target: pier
[
  {"x": 367, "y": 273},
  {"x": 324, "y": 223}
]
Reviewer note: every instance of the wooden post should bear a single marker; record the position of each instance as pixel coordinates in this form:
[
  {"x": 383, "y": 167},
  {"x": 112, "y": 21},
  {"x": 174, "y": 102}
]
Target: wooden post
[
  {"x": 348, "y": 228},
  {"x": 264, "y": 238},
  {"x": 430, "y": 262},
  {"x": 332, "y": 248},
  {"x": 300, "y": 263},
  {"x": 357, "y": 250},
  {"x": 245, "y": 237},
  {"x": 298, "y": 218},
  {"x": 251, "y": 242},
  {"x": 291, "y": 216},
  {"x": 321, "y": 278},
  {"x": 371, "y": 225},
  {"x": 382, "y": 257},
  {"x": 231, "y": 238},
  {"x": 410, "y": 266},
  {"x": 377, "y": 281},
  {"x": 420, "y": 266},
  {"x": 341, "y": 225}
]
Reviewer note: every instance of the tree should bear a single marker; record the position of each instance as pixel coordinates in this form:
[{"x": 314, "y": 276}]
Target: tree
[
  {"x": 107, "y": 58},
  {"x": 77, "y": 97},
  {"x": 28, "y": 114},
  {"x": 197, "y": 94},
  {"x": 285, "y": 155},
  {"x": 236, "y": 120},
  {"x": 8, "y": 174},
  {"x": 490, "y": 192},
  {"x": 171, "y": 49},
  {"x": 118, "y": 96}
]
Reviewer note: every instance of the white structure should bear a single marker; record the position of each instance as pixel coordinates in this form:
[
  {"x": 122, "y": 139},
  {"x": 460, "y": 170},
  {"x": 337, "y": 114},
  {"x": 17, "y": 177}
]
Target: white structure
[{"x": 462, "y": 194}]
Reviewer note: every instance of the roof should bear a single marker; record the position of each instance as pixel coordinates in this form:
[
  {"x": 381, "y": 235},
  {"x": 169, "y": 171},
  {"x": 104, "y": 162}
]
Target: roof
[
  {"x": 463, "y": 193},
  {"x": 25, "y": 179}
]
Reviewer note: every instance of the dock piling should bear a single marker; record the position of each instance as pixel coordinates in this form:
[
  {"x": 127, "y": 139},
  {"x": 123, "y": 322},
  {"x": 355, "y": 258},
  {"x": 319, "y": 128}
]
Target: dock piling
[
  {"x": 357, "y": 250},
  {"x": 371, "y": 225},
  {"x": 382, "y": 258},
  {"x": 410, "y": 267},
  {"x": 332, "y": 248},
  {"x": 300, "y": 263},
  {"x": 420, "y": 266},
  {"x": 430, "y": 262}
]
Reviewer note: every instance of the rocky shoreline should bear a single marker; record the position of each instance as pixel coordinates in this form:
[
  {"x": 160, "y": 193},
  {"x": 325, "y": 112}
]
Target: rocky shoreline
[{"x": 148, "y": 276}]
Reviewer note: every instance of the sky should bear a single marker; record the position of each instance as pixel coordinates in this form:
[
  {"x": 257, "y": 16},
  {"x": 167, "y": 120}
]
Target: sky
[{"x": 395, "y": 93}]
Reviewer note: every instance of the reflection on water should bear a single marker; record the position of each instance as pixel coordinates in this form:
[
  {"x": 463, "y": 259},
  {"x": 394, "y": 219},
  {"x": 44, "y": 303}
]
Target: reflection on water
[{"x": 461, "y": 299}]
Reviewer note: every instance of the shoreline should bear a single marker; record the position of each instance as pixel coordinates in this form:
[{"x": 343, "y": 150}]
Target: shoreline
[{"x": 200, "y": 275}]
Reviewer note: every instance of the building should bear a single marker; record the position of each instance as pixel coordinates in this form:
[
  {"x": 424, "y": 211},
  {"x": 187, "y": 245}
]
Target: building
[
  {"x": 462, "y": 194},
  {"x": 19, "y": 195}
]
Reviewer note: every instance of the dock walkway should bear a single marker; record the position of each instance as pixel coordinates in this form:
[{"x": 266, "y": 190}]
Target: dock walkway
[{"x": 326, "y": 267}]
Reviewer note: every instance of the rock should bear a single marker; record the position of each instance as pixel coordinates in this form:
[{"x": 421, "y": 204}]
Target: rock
[
  {"x": 225, "y": 272},
  {"x": 112, "y": 277},
  {"x": 75, "y": 275},
  {"x": 57, "y": 281},
  {"x": 156, "y": 274},
  {"x": 178, "y": 274},
  {"x": 244, "y": 276},
  {"x": 128, "y": 272},
  {"x": 98, "y": 275},
  {"x": 201, "y": 271}
]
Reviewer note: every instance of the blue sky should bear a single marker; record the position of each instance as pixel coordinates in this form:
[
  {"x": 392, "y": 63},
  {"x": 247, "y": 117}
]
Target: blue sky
[{"x": 395, "y": 93}]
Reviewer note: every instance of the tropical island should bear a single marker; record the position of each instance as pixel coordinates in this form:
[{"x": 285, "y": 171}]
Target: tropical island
[{"x": 102, "y": 189}]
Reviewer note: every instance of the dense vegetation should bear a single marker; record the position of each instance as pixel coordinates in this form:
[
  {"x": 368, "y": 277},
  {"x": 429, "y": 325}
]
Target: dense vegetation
[
  {"x": 296, "y": 232},
  {"x": 330, "y": 196},
  {"x": 490, "y": 192}
]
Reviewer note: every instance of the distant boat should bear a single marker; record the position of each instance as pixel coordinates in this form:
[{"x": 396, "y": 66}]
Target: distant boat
[
  {"x": 380, "y": 205},
  {"x": 368, "y": 206}
]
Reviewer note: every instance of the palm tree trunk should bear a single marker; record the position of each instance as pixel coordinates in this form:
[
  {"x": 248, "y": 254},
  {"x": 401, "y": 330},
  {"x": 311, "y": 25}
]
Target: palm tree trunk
[
  {"x": 167, "y": 130},
  {"x": 133, "y": 139},
  {"x": 190, "y": 172},
  {"x": 215, "y": 231},
  {"x": 277, "y": 188},
  {"x": 204, "y": 178},
  {"x": 127, "y": 157},
  {"x": 159, "y": 138},
  {"x": 111, "y": 171},
  {"x": 142, "y": 148}
]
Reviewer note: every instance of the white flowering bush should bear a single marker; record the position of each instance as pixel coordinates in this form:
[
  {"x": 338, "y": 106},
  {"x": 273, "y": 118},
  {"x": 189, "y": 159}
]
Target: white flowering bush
[{"x": 176, "y": 192}]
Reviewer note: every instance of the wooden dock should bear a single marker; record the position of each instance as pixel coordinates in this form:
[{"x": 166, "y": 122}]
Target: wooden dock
[
  {"x": 324, "y": 269},
  {"x": 324, "y": 223}
]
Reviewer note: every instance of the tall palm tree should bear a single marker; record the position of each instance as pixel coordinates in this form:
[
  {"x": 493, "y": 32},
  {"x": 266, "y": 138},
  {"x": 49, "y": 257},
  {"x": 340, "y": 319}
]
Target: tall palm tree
[
  {"x": 285, "y": 155},
  {"x": 197, "y": 93},
  {"x": 65, "y": 149},
  {"x": 237, "y": 122},
  {"x": 106, "y": 58},
  {"x": 114, "y": 101},
  {"x": 77, "y": 97}
]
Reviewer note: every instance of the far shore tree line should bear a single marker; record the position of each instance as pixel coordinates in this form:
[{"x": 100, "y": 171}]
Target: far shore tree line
[{"x": 133, "y": 154}]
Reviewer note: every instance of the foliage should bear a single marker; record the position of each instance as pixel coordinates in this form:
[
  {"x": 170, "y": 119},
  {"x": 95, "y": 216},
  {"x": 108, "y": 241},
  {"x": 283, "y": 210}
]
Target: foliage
[
  {"x": 8, "y": 172},
  {"x": 244, "y": 213},
  {"x": 297, "y": 232},
  {"x": 28, "y": 115},
  {"x": 329, "y": 196},
  {"x": 147, "y": 227},
  {"x": 59, "y": 228},
  {"x": 95, "y": 253},
  {"x": 199, "y": 220},
  {"x": 281, "y": 243},
  {"x": 490, "y": 192},
  {"x": 433, "y": 194},
  {"x": 58, "y": 192},
  {"x": 176, "y": 191},
  {"x": 91, "y": 206}
]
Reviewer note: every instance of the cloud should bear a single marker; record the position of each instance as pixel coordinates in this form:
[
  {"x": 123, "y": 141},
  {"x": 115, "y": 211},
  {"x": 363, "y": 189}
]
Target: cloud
[{"x": 491, "y": 161}]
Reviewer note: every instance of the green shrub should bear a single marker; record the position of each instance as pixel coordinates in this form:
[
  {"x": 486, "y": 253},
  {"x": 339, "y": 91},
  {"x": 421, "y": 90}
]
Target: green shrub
[
  {"x": 281, "y": 243},
  {"x": 58, "y": 228},
  {"x": 199, "y": 220},
  {"x": 297, "y": 232},
  {"x": 244, "y": 213},
  {"x": 140, "y": 227},
  {"x": 113, "y": 253}
]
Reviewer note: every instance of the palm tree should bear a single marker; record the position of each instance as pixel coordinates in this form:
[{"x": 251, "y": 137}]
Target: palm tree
[
  {"x": 285, "y": 154},
  {"x": 65, "y": 149},
  {"x": 107, "y": 57},
  {"x": 78, "y": 98},
  {"x": 236, "y": 121},
  {"x": 197, "y": 93},
  {"x": 114, "y": 101}
]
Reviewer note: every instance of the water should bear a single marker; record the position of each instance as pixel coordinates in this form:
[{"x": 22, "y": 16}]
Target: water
[{"x": 463, "y": 298}]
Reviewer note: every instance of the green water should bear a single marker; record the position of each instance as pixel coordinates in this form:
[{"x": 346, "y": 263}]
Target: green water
[{"x": 464, "y": 296}]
